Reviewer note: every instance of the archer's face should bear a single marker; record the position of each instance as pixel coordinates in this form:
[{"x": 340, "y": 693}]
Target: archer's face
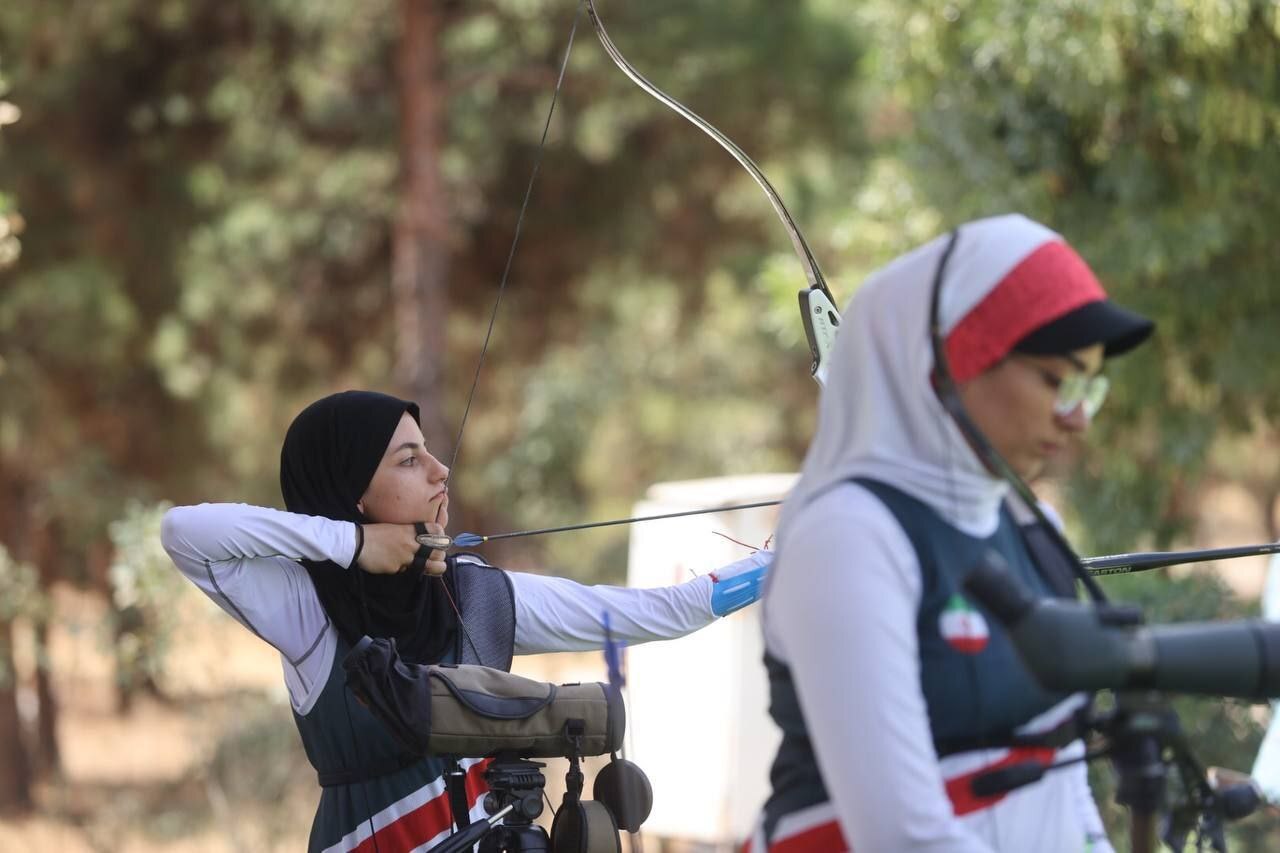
[
  {"x": 409, "y": 484},
  {"x": 1013, "y": 404}
]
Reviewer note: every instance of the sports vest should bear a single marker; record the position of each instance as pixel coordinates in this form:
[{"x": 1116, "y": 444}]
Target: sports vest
[
  {"x": 976, "y": 689},
  {"x": 361, "y": 768}
]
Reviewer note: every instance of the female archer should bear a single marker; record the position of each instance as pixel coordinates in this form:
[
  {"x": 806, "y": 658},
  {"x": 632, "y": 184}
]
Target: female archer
[
  {"x": 343, "y": 561},
  {"x": 895, "y": 695}
]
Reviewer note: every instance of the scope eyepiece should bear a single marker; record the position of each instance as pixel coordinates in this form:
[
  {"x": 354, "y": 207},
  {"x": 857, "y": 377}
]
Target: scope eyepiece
[{"x": 991, "y": 583}]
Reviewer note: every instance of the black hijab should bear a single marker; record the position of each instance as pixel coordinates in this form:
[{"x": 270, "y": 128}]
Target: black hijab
[{"x": 331, "y": 451}]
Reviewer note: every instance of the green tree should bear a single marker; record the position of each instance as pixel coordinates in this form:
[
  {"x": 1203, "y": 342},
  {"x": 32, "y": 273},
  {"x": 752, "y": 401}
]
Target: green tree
[
  {"x": 144, "y": 587},
  {"x": 10, "y": 220},
  {"x": 212, "y": 191},
  {"x": 1146, "y": 134}
]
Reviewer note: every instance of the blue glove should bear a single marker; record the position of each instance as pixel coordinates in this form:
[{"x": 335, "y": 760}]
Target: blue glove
[{"x": 739, "y": 584}]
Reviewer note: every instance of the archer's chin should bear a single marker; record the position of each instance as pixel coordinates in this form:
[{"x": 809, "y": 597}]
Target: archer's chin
[{"x": 1032, "y": 471}]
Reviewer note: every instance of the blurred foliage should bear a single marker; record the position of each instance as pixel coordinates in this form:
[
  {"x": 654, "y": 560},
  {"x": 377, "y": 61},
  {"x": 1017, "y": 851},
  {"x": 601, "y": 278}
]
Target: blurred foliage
[
  {"x": 1146, "y": 133},
  {"x": 673, "y": 351},
  {"x": 258, "y": 779},
  {"x": 20, "y": 597},
  {"x": 11, "y": 223},
  {"x": 20, "y": 594},
  {"x": 210, "y": 239},
  {"x": 144, "y": 592}
]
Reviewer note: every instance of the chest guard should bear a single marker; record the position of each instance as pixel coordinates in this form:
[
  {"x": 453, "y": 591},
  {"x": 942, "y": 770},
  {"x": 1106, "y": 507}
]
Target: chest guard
[
  {"x": 487, "y": 632},
  {"x": 976, "y": 689}
]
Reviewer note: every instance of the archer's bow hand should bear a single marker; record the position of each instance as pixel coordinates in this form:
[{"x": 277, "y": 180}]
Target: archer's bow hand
[{"x": 739, "y": 584}]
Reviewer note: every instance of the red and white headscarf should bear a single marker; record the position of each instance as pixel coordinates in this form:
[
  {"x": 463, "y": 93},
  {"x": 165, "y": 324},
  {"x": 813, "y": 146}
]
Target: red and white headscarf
[{"x": 879, "y": 416}]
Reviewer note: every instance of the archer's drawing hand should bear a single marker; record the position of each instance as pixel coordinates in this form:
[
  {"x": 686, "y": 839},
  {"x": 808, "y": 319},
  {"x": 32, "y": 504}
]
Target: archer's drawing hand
[
  {"x": 390, "y": 548},
  {"x": 435, "y": 560}
]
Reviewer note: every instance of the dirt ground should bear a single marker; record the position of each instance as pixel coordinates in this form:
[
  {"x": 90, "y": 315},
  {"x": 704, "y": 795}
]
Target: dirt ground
[{"x": 140, "y": 781}]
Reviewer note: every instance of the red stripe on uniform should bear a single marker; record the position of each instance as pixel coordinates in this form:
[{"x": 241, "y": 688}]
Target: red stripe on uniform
[
  {"x": 428, "y": 820},
  {"x": 827, "y": 837},
  {"x": 960, "y": 789},
  {"x": 475, "y": 784}
]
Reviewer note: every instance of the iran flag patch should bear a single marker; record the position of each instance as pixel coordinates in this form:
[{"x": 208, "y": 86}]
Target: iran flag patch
[{"x": 963, "y": 627}]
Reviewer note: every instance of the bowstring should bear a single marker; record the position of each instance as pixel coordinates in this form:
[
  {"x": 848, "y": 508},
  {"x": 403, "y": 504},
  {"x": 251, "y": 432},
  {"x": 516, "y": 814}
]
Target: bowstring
[
  {"x": 497, "y": 303},
  {"x": 515, "y": 241}
]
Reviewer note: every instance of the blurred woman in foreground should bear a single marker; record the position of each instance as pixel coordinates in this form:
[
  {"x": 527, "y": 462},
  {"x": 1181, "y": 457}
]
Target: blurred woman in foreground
[{"x": 894, "y": 691}]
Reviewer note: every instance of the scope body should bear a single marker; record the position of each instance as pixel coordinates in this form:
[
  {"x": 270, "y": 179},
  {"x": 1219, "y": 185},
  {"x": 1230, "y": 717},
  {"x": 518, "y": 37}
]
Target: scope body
[
  {"x": 476, "y": 711},
  {"x": 1071, "y": 645}
]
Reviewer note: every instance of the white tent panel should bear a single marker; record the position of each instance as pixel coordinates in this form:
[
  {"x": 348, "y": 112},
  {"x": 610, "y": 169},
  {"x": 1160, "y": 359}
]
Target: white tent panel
[{"x": 698, "y": 723}]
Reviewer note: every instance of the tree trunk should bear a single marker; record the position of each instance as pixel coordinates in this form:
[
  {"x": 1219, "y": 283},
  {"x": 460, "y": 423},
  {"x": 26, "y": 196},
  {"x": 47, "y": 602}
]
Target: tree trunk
[
  {"x": 420, "y": 254},
  {"x": 15, "y": 767},
  {"x": 15, "y": 763},
  {"x": 98, "y": 565},
  {"x": 48, "y": 558},
  {"x": 48, "y": 750}
]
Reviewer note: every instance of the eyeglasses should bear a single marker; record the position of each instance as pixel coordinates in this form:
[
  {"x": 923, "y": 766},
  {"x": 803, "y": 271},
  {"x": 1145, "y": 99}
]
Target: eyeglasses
[{"x": 1074, "y": 390}]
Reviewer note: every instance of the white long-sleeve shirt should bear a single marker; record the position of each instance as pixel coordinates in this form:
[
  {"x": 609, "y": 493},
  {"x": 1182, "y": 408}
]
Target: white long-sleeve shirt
[
  {"x": 245, "y": 558},
  {"x": 841, "y": 614}
]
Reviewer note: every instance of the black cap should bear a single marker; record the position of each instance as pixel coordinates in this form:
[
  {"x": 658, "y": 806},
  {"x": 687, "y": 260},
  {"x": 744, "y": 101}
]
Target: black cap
[{"x": 1101, "y": 322}]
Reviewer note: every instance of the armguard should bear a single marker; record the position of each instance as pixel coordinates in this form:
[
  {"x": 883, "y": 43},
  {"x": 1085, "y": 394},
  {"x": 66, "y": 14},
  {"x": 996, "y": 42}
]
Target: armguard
[{"x": 739, "y": 584}]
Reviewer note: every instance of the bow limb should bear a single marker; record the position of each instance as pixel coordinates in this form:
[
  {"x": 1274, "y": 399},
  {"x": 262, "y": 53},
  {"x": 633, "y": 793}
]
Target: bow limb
[{"x": 817, "y": 305}]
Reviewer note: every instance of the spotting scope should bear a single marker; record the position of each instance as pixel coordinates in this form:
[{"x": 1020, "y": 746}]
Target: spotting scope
[{"x": 1071, "y": 645}]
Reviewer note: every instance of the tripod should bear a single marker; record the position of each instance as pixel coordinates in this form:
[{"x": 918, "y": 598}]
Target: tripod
[
  {"x": 1142, "y": 737},
  {"x": 1145, "y": 743},
  {"x": 514, "y": 801}
]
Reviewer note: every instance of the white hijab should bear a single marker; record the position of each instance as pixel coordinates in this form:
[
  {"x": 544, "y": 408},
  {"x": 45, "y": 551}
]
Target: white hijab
[{"x": 878, "y": 415}]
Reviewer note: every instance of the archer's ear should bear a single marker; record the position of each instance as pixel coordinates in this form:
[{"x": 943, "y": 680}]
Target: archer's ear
[{"x": 360, "y": 506}]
